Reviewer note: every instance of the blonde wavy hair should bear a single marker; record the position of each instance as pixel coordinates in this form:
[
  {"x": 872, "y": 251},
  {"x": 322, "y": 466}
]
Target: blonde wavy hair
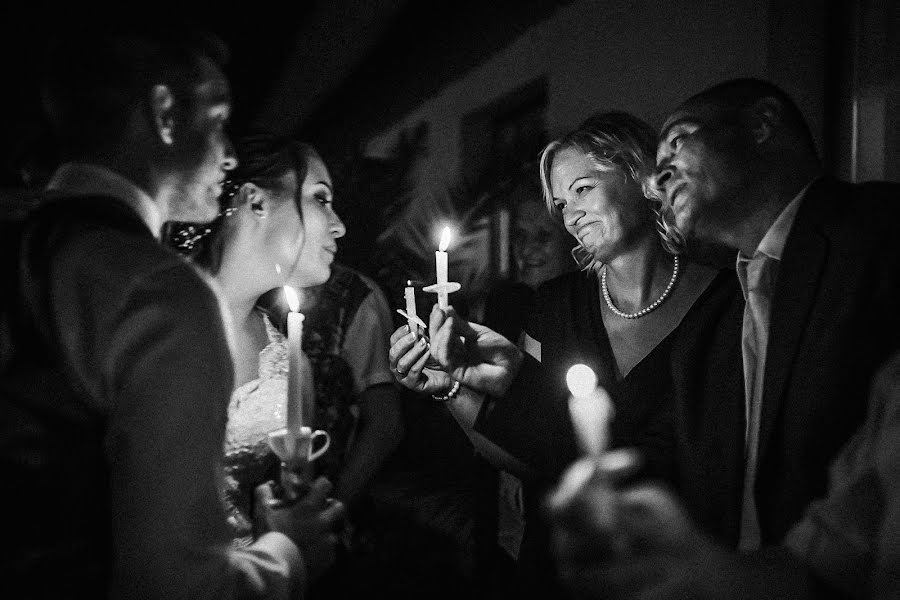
[{"x": 615, "y": 140}]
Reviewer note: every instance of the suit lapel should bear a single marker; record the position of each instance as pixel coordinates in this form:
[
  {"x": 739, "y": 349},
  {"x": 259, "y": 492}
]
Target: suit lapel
[{"x": 798, "y": 282}]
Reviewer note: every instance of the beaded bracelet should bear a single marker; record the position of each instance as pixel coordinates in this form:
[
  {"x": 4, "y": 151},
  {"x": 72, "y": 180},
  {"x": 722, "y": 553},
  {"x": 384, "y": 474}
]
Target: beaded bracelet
[{"x": 450, "y": 395}]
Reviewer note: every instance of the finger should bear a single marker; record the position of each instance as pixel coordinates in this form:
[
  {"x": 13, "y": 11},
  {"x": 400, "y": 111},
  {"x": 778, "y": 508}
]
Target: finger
[
  {"x": 618, "y": 466},
  {"x": 401, "y": 345},
  {"x": 399, "y": 333},
  {"x": 437, "y": 317},
  {"x": 333, "y": 513},
  {"x": 414, "y": 375},
  {"x": 265, "y": 495},
  {"x": 318, "y": 492},
  {"x": 411, "y": 357}
]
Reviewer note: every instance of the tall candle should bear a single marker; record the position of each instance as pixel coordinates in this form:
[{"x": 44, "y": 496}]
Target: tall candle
[
  {"x": 295, "y": 398},
  {"x": 440, "y": 259},
  {"x": 409, "y": 293},
  {"x": 590, "y": 408}
]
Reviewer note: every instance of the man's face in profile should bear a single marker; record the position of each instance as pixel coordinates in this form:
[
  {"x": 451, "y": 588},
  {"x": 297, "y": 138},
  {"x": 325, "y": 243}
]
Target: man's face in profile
[
  {"x": 205, "y": 151},
  {"x": 701, "y": 168}
]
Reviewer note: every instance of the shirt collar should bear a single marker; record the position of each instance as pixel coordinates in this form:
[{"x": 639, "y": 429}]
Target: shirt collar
[
  {"x": 772, "y": 244},
  {"x": 83, "y": 179}
]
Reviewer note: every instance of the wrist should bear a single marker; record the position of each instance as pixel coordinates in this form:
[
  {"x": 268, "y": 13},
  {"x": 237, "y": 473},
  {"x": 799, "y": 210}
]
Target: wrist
[{"x": 450, "y": 395}]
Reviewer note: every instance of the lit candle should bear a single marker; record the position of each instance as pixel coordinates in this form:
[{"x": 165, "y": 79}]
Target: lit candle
[
  {"x": 295, "y": 398},
  {"x": 410, "y": 294},
  {"x": 590, "y": 408},
  {"x": 440, "y": 259}
]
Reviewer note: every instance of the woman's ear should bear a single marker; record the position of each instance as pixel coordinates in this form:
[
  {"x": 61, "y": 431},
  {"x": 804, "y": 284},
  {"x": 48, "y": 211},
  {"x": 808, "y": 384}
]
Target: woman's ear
[{"x": 257, "y": 200}]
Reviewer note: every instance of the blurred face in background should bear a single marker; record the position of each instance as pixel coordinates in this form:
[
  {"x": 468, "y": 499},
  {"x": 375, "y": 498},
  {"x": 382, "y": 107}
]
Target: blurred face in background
[{"x": 540, "y": 246}]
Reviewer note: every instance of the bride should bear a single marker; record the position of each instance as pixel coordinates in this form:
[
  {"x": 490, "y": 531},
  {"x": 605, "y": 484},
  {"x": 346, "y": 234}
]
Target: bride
[{"x": 267, "y": 204}]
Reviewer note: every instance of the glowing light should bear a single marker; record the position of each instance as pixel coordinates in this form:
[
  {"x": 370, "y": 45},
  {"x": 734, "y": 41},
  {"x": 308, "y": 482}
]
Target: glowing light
[
  {"x": 293, "y": 299},
  {"x": 445, "y": 240},
  {"x": 581, "y": 380}
]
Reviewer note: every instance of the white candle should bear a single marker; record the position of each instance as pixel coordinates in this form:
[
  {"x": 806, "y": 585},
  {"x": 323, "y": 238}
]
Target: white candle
[
  {"x": 440, "y": 259},
  {"x": 295, "y": 398},
  {"x": 409, "y": 293},
  {"x": 590, "y": 408}
]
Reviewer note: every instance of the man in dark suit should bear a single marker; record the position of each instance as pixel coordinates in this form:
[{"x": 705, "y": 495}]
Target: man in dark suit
[
  {"x": 819, "y": 267},
  {"x": 115, "y": 368},
  {"x": 770, "y": 390}
]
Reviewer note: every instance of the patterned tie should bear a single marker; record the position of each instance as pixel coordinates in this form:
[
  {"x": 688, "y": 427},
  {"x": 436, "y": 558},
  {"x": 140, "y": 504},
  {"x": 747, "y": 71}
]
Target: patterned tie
[{"x": 755, "y": 342}]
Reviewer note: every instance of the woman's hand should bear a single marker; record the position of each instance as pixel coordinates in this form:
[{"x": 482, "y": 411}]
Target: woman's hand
[
  {"x": 408, "y": 356},
  {"x": 476, "y": 356}
]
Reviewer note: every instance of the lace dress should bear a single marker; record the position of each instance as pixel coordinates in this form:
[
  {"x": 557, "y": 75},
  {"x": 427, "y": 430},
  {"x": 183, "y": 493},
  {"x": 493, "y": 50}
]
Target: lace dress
[{"x": 256, "y": 408}]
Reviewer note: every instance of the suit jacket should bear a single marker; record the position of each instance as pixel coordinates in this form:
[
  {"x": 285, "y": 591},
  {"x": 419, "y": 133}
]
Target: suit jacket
[
  {"x": 834, "y": 320},
  {"x": 115, "y": 373}
]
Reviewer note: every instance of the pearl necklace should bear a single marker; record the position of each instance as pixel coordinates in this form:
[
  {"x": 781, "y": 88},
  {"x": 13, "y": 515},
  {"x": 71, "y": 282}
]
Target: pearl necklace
[{"x": 643, "y": 311}]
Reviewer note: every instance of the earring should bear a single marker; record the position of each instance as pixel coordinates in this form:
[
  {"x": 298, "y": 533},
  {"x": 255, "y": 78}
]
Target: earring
[{"x": 258, "y": 210}]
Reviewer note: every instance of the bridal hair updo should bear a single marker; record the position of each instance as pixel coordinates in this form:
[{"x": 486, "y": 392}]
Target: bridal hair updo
[
  {"x": 263, "y": 159},
  {"x": 614, "y": 140}
]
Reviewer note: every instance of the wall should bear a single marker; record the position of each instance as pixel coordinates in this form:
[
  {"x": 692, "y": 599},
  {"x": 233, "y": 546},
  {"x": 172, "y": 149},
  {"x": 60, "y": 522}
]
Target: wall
[{"x": 640, "y": 56}]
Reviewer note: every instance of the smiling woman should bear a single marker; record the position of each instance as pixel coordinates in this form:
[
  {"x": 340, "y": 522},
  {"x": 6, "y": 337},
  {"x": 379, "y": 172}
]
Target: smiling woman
[{"x": 594, "y": 179}]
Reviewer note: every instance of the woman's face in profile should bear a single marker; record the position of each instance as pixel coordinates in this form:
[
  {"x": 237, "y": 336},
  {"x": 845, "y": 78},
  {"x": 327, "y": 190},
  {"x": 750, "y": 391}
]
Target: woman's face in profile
[
  {"x": 604, "y": 210},
  {"x": 321, "y": 224},
  {"x": 282, "y": 238}
]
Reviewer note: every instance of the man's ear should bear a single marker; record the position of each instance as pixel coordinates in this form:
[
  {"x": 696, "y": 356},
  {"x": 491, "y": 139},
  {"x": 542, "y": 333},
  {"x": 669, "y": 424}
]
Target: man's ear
[
  {"x": 763, "y": 119},
  {"x": 162, "y": 103}
]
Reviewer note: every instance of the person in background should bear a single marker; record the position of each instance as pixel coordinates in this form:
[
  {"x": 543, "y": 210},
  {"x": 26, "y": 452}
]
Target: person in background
[
  {"x": 116, "y": 366},
  {"x": 540, "y": 250}
]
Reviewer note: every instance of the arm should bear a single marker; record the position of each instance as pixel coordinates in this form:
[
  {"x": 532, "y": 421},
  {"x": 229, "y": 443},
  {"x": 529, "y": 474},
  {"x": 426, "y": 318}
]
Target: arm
[{"x": 380, "y": 428}]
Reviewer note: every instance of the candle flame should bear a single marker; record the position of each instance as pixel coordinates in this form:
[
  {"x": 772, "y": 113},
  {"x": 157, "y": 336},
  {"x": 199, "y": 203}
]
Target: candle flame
[
  {"x": 445, "y": 240},
  {"x": 409, "y": 283},
  {"x": 292, "y": 299},
  {"x": 581, "y": 380}
]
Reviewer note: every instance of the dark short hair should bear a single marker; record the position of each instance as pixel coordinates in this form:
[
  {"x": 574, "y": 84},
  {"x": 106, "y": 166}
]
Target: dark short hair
[
  {"x": 736, "y": 94},
  {"x": 93, "y": 80},
  {"x": 263, "y": 159}
]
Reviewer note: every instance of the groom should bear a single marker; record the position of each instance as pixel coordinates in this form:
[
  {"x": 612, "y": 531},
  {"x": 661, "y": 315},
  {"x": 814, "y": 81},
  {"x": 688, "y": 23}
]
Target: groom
[{"x": 115, "y": 368}]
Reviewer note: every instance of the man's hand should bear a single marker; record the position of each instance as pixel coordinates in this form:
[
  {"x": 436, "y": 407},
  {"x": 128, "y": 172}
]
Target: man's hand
[
  {"x": 476, "y": 356},
  {"x": 312, "y": 522},
  {"x": 635, "y": 542}
]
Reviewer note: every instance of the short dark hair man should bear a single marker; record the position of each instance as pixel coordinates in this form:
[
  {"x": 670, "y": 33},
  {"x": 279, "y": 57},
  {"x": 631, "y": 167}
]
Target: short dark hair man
[
  {"x": 115, "y": 370},
  {"x": 819, "y": 267}
]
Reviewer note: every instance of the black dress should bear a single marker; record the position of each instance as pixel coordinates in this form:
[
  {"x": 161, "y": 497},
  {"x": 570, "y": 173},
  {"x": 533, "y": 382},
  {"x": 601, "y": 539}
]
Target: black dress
[{"x": 532, "y": 421}]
